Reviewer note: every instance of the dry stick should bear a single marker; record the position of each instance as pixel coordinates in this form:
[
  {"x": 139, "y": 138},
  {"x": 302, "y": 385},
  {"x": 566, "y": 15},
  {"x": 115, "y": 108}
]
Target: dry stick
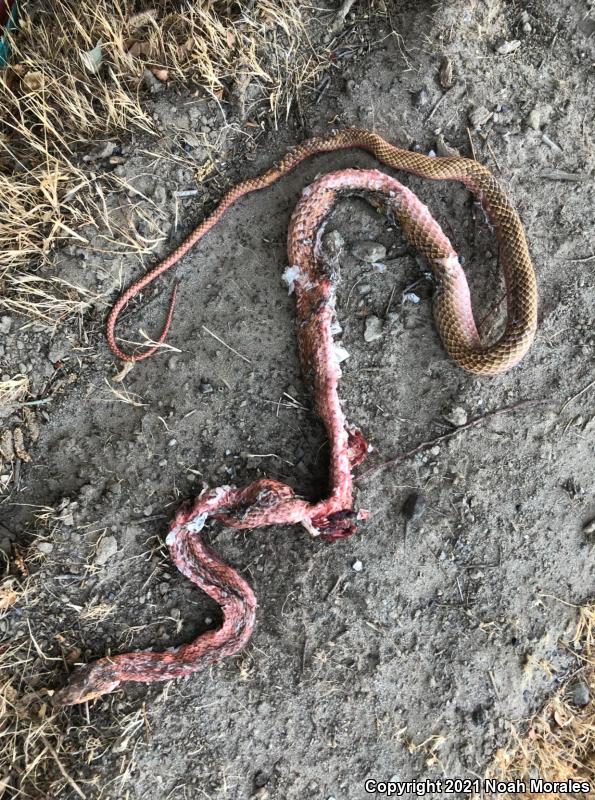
[
  {"x": 581, "y": 260},
  {"x": 229, "y": 347},
  {"x": 67, "y": 777},
  {"x": 474, "y": 423},
  {"x": 578, "y": 394}
]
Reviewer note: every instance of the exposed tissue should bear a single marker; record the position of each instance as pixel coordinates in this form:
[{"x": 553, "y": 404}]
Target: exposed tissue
[
  {"x": 289, "y": 277},
  {"x": 341, "y": 354}
]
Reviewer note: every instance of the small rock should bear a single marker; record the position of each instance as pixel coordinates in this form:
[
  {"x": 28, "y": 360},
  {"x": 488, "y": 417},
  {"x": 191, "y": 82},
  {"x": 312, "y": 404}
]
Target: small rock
[
  {"x": 160, "y": 195},
  {"x": 58, "y": 349},
  {"x": 373, "y": 329},
  {"x": 357, "y": 566},
  {"x": 414, "y": 507},
  {"x": 411, "y": 297},
  {"x": 108, "y": 150},
  {"x": 457, "y": 416},
  {"x": 364, "y": 288},
  {"x": 106, "y": 549},
  {"x": 205, "y": 388},
  {"x": 155, "y": 86},
  {"x": 589, "y": 527},
  {"x": 370, "y": 252},
  {"x": 5, "y": 324},
  {"x": 534, "y": 119},
  {"x": 420, "y": 98},
  {"x": 445, "y": 73},
  {"x": 579, "y": 694},
  {"x": 45, "y": 547},
  {"x": 479, "y": 116},
  {"x": 506, "y": 48}
]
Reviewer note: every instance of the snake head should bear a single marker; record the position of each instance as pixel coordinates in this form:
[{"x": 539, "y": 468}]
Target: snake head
[
  {"x": 336, "y": 526},
  {"x": 88, "y": 683}
]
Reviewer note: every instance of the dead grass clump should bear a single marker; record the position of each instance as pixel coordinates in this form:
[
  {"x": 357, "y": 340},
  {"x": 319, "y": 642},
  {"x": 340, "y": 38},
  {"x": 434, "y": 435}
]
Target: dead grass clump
[
  {"x": 559, "y": 744},
  {"x": 82, "y": 71},
  {"x": 47, "y": 300},
  {"x": 44, "y": 751},
  {"x": 30, "y": 738},
  {"x": 13, "y": 389}
]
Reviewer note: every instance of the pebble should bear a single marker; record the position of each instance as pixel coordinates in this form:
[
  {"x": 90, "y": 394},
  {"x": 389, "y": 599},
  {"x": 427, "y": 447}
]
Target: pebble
[
  {"x": 58, "y": 349},
  {"x": 411, "y": 297},
  {"x": 579, "y": 695},
  {"x": 205, "y": 388},
  {"x": 5, "y": 324},
  {"x": 160, "y": 195},
  {"x": 357, "y": 566},
  {"x": 506, "y": 48},
  {"x": 445, "y": 73},
  {"x": 479, "y": 116},
  {"x": 45, "y": 547},
  {"x": 534, "y": 119},
  {"x": 589, "y": 527},
  {"x": 457, "y": 416},
  {"x": 370, "y": 252},
  {"x": 373, "y": 329},
  {"x": 420, "y": 98},
  {"x": 414, "y": 507},
  {"x": 106, "y": 549}
]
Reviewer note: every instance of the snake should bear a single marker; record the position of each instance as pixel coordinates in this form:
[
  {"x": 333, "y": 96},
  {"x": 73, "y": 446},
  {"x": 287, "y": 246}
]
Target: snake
[{"x": 314, "y": 279}]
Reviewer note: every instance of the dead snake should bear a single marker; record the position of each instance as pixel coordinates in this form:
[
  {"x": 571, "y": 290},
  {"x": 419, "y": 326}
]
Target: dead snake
[{"x": 269, "y": 502}]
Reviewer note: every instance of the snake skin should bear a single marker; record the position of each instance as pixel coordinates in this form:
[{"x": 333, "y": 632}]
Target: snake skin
[
  {"x": 521, "y": 288},
  {"x": 269, "y": 502}
]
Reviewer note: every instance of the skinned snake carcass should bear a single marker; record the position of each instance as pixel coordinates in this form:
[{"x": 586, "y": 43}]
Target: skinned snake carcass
[{"x": 269, "y": 502}]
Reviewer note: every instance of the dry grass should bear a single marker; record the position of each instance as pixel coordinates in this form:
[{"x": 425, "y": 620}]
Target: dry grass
[
  {"x": 559, "y": 743},
  {"x": 42, "y": 753},
  {"x": 81, "y": 73},
  {"x": 14, "y": 389}
]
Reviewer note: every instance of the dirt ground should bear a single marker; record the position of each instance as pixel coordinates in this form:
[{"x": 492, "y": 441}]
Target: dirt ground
[{"x": 396, "y": 652}]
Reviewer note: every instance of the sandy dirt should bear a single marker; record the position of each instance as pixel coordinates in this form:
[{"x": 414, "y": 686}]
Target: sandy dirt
[{"x": 398, "y": 652}]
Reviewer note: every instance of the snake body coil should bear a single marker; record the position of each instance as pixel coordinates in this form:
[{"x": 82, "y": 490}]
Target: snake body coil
[{"x": 269, "y": 502}]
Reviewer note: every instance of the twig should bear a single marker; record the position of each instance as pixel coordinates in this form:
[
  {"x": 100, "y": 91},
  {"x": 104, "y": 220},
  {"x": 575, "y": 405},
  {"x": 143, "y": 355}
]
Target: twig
[
  {"x": 581, "y": 260},
  {"x": 489, "y": 146},
  {"x": 473, "y": 423},
  {"x": 229, "y": 347},
  {"x": 471, "y": 145},
  {"x": 436, "y": 106},
  {"x": 560, "y": 175},
  {"x": 186, "y": 193},
  {"x": 578, "y": 394},
  {"x": 67, "y": 777}
]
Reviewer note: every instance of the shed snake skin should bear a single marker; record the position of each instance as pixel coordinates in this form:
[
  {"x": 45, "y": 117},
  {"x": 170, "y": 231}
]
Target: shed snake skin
[{"x": 269, "y": 502}]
